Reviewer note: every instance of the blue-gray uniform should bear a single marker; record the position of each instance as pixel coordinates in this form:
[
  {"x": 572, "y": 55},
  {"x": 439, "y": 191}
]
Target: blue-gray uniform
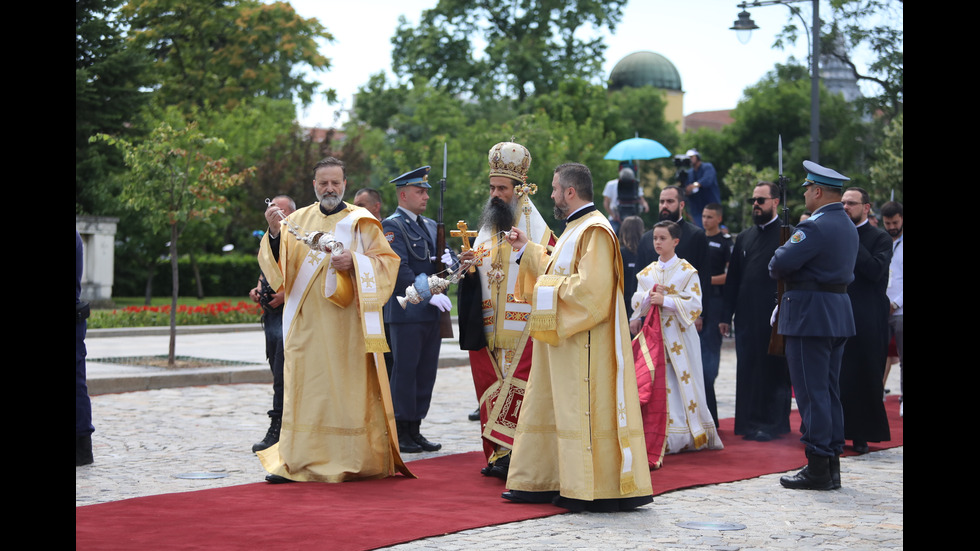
[
  {"x": 815, "y": 315},
  {"x": 414, "y": 330}
]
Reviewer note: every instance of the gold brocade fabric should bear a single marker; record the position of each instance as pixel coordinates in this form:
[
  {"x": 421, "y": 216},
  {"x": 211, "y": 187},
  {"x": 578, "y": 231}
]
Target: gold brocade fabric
[
  {"x": 338, "y": 423},
  {"x": 580, "y": 431}
]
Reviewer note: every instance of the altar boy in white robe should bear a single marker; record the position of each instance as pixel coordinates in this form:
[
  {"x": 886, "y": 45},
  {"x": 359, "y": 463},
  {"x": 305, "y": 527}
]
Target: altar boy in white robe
[{"x": 671, "y": 285}]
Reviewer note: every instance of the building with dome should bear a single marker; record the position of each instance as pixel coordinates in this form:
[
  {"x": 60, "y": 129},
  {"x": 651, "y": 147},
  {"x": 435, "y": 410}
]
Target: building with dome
[{"x": 647, "y": 68}]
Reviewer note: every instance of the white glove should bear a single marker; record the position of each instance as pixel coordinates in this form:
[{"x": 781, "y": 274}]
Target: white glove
[
  {"x": 447, "y": 259},
  {"x": 441, "y": 302},
  {"x": 772, "y": 317}
]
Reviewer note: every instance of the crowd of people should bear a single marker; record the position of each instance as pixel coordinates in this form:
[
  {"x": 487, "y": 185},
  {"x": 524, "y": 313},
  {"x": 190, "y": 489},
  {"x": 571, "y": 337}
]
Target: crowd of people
[{"x": 593, "y": 354}]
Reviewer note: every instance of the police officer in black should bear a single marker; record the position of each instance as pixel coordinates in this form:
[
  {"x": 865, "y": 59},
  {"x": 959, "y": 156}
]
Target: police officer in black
[
  {"x": 815, "y": 317},
  {"x": 415, "y": 338}
]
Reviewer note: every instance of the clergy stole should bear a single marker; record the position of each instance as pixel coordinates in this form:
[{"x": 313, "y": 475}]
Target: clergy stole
[
  {"x": 339, "y": 286},
  {"x": 651, "y": 382}
]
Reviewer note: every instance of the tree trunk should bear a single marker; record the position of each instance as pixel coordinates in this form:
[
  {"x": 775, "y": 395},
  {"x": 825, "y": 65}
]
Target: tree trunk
[
  {"x": 197, "y": 277},
  {"x": 172, "y": 358}
]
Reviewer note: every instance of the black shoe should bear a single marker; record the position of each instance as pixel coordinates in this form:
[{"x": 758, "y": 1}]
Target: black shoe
[
  {"x": 406, "y": 443},
  {"x": 276, "y": 479},
  {"x": 860, "y": 447},
  {"x": 498, "y": 468},
  {"x": 758, "y": 436},
  {"x": 475, "y": 416},
  {"x": 271, "y": 436},
  {"x": 835, "y": 471},
  {"x": 815, "y": 476},
  {"x": 424, "y": 443},
  {"x": 83, "y": 450},
  {"x": 519, "y": 496}
]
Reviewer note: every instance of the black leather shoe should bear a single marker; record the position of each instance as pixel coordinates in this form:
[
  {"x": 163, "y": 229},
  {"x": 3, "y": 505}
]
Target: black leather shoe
[
  {"x": 519, "y": 496},
  {"x": 815, "y": 476},
  {"x": 406, "y": 442},
  {"x": 424, "y": 443},
  {"x": 475, "y": 416},
  {"x": 835, "y": 471},
  {"x": 276, "y": 479},
  {"x": 758, "y": 436},
  {"x": 498, "y": 468},
  {"x": 860, "y": 447},
  {"x": 271, "y": 436}
]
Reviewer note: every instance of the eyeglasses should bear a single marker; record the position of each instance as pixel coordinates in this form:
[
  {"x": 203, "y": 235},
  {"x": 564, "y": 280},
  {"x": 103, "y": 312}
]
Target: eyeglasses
[{"x": 759, "y": 200}]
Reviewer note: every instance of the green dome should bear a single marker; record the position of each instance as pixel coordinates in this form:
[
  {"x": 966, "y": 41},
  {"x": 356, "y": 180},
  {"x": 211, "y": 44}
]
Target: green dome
[{"x": 645, "y": 69}]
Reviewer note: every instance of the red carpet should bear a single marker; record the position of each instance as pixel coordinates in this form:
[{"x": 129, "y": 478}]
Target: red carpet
[{"x": 450, "y": 495}]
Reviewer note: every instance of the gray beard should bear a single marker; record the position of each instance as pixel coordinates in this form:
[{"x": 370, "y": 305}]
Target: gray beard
[
  {"x": 497, "y": 215},
  {"x": 329, "y": 202}
]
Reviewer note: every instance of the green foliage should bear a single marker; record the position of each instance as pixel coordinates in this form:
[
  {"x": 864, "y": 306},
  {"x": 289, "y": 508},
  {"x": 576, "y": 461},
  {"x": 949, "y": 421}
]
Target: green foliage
[
  {"x": 874, "y": 26},
  {"x": 531, "y": 46},
  {"x": 222, "y": 275},
  {"x": 888, "y": 170},
  {"x": 107, "y": 96},
  {"x": 404, "y": 127},
  {"x": 216, "y": 53}
]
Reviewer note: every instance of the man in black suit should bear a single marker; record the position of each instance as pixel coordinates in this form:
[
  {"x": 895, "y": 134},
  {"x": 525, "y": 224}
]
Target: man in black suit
[{"x": 862, "y": 372}]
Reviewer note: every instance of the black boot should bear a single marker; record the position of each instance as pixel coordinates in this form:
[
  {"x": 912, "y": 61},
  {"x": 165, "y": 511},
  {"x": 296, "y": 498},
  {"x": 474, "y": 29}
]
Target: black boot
[
  {"x": 406, "y": 442},
  {"x": 271, "y": 436},
  {"x": 498, "y": 468},
  {"x": 83, "y": 450},
  {"x": 815, "y": 476},
  {"x": 422, "y": 441}
]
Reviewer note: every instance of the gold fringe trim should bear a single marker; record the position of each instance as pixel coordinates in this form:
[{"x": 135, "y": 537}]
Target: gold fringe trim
[{"x": 543, "y": 322}]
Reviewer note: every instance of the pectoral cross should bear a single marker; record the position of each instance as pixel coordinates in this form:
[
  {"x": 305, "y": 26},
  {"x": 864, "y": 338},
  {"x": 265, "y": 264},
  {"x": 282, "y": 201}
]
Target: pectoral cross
[{"x": 466, "y": 235}]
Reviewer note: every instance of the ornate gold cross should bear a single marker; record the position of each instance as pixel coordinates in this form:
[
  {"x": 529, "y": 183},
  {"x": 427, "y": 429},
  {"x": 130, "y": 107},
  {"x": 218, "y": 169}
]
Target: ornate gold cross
[{"x": 464, "y": 232}]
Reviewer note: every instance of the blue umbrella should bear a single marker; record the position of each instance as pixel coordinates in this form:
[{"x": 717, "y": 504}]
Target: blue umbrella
[{"x": 637, "y": 149}]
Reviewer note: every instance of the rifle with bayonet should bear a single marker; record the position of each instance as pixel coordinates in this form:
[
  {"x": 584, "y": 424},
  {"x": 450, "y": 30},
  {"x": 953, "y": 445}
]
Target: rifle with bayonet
[
  {"x": 445, "y": 319},
  {"x": 777, "y": 345}
]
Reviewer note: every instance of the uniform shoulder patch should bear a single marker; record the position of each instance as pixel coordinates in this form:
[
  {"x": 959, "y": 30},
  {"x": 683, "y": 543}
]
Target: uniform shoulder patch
[
  {"x": 797, "y": 237},
  {"x": 390, "y": 236}
]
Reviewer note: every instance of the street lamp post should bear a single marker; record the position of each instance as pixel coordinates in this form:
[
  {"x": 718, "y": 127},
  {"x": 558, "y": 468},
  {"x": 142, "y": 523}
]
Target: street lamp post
[{"x": 744, "y": 27}]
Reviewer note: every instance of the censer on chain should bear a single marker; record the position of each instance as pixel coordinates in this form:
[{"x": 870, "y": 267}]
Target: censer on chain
[{"x": 317, "y": 240}]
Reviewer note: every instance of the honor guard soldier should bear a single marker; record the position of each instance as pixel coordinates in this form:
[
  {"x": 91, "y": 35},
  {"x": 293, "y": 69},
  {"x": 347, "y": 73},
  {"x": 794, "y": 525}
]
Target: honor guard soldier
[
  {"x": 415, "y": 337},
  {"x": 815, "y": 316}
]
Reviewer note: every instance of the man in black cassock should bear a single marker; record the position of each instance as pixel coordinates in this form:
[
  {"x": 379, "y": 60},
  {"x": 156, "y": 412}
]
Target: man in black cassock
[
  {"x": 863, "y": 367},
  {"x": 762, "y": 384},
  {"x": 693, "y": 246}
]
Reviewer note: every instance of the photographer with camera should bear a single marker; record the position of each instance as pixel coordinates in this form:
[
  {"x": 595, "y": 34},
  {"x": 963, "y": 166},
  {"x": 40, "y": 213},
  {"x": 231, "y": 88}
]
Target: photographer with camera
[
  {"x": 700, "y": 186},
  {"x": 272, "y": 324},
  {"x": 623, "y": 197}
]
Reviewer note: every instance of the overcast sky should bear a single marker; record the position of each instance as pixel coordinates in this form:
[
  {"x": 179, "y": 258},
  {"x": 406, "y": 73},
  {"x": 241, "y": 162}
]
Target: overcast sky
[{"x": 694, "y": 34}]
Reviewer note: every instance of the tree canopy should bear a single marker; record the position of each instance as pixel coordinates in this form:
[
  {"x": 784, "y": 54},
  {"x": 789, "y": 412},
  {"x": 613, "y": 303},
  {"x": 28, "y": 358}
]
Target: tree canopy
[
  {"x": 215, "y": 53},
  {"x": 530, "y": 46}
]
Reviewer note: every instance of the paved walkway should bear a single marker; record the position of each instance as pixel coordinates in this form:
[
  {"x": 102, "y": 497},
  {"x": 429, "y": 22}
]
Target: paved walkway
[{"x": 147, "y": 442}]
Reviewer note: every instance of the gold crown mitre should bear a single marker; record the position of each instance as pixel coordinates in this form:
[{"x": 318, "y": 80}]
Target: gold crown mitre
[{"x": 510, "y": 160}]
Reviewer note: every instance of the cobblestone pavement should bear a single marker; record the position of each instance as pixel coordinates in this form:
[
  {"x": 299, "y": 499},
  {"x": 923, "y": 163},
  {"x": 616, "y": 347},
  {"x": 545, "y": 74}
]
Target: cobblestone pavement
[{"x": 145, "y": 439}]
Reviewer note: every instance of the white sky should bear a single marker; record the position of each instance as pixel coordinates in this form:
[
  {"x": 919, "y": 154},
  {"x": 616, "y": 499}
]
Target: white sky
[{"x": 694, "y": 34}]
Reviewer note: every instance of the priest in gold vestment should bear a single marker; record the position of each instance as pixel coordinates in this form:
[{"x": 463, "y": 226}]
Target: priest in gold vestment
[
  {"x": 579, "y": 441},
  {"x": 337, "y": 422},
  {"x": 492, "y": 319}
]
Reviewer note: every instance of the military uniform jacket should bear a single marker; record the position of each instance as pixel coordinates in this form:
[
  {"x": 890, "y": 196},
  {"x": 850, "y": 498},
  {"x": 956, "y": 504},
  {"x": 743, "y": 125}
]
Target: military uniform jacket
[
  {"x": 822, "y": 251},
  {"x": 416, "y": 249}
]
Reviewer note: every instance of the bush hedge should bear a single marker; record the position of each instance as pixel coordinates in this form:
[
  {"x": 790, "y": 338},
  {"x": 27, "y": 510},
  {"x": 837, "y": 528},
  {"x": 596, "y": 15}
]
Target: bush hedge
[{"x": 221, "y": 275}]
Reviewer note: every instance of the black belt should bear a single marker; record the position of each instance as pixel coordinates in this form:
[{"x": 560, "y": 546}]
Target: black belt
[{"x": 814, "y": 286}]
